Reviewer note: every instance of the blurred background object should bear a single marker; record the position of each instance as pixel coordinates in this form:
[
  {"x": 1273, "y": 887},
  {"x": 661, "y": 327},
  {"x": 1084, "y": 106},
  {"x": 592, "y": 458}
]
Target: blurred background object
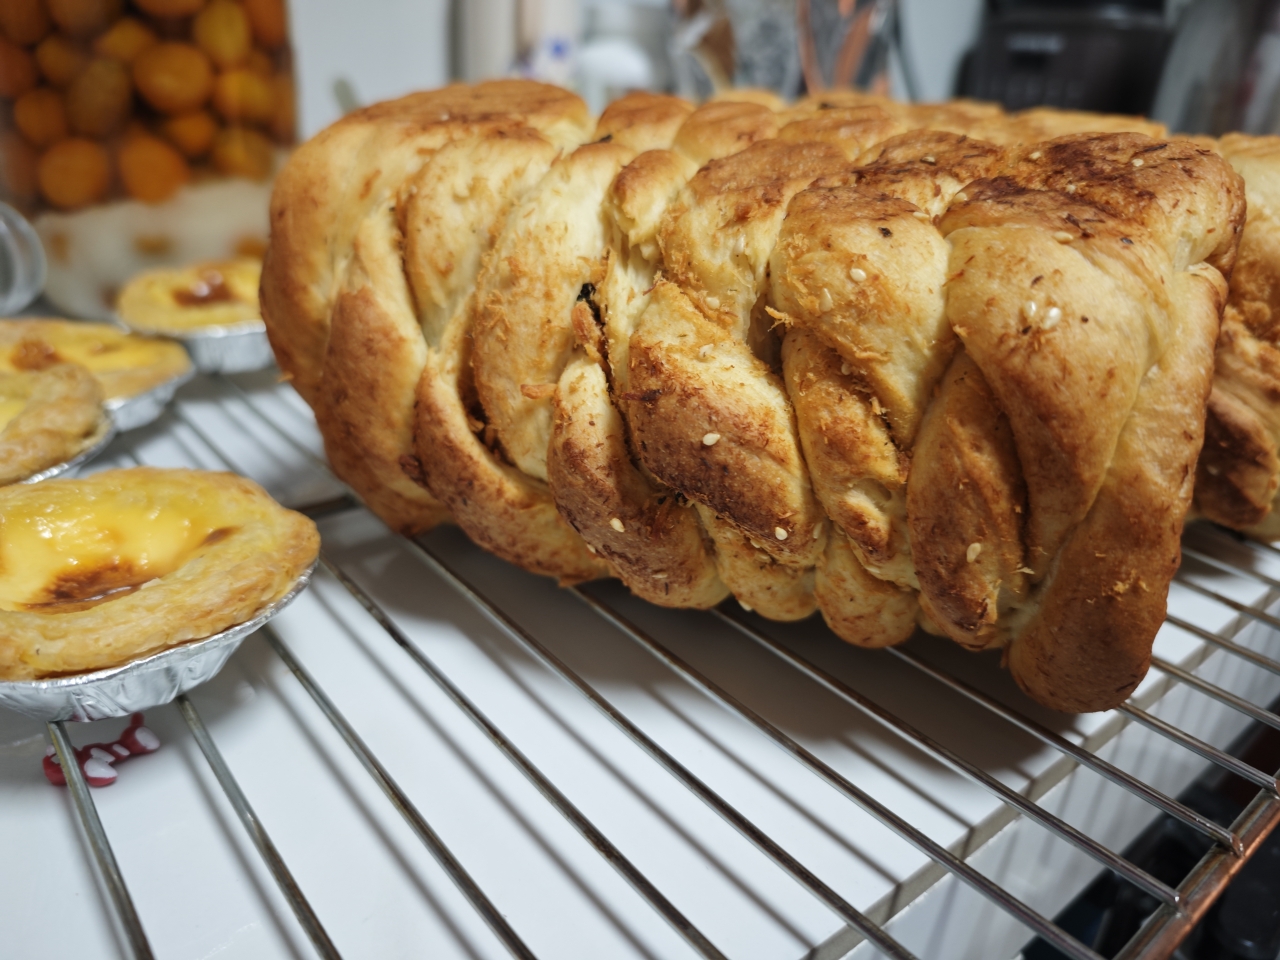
[
  {"x": 352, "y": 53},
  {"x": 846, "y": 43},
  {"x": 624, "y": 47},
  {"x": 1223, "y": 70},
  {"x": 486, "y": 39},
  {"x": 160, "y": 122},
  {"x": 1104, "y": 56},
  {"x": 22, "y": 263},
  {"x": 538, "y": 39}
]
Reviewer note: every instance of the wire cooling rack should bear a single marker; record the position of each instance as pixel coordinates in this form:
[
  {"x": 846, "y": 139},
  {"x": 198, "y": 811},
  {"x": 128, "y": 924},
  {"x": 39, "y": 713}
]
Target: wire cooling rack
[{"x": 434, "y": 753}]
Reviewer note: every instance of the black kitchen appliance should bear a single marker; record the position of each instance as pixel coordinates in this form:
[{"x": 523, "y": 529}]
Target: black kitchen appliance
[{"x": 1083, "y": 56}]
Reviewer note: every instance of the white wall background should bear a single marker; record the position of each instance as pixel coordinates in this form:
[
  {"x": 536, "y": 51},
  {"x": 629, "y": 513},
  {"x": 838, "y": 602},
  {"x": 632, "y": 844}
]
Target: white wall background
[
  {"x": 380, "y": 48},
  {"x": 936, "y": 34}
]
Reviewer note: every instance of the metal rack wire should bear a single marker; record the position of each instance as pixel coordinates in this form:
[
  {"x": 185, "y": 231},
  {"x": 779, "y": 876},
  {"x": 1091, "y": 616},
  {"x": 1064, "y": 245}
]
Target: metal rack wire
[{"x": 1180, "y": 907}]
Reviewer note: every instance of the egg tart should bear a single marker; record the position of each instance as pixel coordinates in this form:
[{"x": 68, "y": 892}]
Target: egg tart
[
  {"x": 48, "y": 417},
  {"x": 126, "y": 364},
  {"x": 192, "y": 299},
  {"x": 99, "y": 571}
]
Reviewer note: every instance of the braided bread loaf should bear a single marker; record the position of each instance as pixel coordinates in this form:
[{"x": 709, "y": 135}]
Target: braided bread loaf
[
  {"x": 1238, "y": 476},
  {"x": 901, "y": 364}
]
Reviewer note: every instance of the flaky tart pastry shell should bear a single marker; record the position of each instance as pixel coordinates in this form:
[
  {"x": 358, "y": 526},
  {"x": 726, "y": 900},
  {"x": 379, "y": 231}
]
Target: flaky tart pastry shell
[
  {"x": 904, "y": 365},
  {"x": 186, "y": 300},
  {"x": 99, "y": 571},
  {"x": 47, "y": 417},
  {"x": 126, "y": 364}
]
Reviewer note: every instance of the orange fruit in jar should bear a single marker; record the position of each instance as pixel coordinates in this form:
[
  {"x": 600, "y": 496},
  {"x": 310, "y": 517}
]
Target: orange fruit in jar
[
  {"x": 60, "y": 59},
  {"x": 17, "y": 166},
  {"x": 242, "y": 96},
  {"x": 269, "y": 21},
  {"x": 260, "y": 62},
  {"x": 41, "y": 116},
  {"x": 74, "y": 173},
  {"x": 169, "y": 8},
  {"x": 173, "y": 77},
  {"x": 150, "y": 169},
  {"x": 83, "y": 18},
  {"x": 125, "y": 39},
  {"x": 99, "y": 100},
  {"x": 17, "y": 70},
  {"x": 284, "y": 122},
  {"x": 222, "y": 31},
  {"x": 241, "y": 152},
  {"x": 25, "y": 22},
  {"x": 191, "y": 133}
]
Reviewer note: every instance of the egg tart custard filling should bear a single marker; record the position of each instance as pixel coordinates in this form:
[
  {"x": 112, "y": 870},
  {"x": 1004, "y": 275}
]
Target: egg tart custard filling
[
  {"x": 99, "y": 571},
  {"x": 126, "y": 364},
  {"x": 191, "y": 299}
]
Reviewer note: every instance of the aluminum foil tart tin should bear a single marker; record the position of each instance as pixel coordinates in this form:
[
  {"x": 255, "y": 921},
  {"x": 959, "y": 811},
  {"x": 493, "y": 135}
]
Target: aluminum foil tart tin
[
  {"x": 142, "y": 684},
  {"x": 81, "y": 458},
  {"x": 130, "y": 413},
  {"x": 235, "y": 349}
]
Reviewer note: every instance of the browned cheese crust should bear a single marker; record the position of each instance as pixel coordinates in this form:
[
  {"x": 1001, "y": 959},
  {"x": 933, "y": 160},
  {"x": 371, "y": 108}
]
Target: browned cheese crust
[{"x": 901, "y": 364}]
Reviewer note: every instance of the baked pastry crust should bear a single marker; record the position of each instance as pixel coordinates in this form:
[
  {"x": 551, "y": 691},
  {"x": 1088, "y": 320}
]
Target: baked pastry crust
[
  {"x": 56, "y": 414},
  {"x": 108, "y": 588},
  {"x": 126, "y": 364},
  {"x": 814, "y": 356},
  {"x": 180, "y": 300}
]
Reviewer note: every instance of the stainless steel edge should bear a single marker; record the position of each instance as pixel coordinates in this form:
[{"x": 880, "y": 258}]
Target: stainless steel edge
[
  {"x": 1169, "y": 926},
  {"x": 232, "y": 349},
  {"x": 143, "y": 408}
]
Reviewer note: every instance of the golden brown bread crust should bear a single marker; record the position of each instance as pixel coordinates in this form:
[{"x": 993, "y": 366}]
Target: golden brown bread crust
[
  {"x": 501, "y": 509},
  {"x": 643, "y": 121},
  {"x": 853, "y": 129},
  {"x": 722, "y": 128},
  {"x": 1238, "y": 476},
  {"x": 853, "y": 461},
  {"x": 322, "y": 194},
  {"x": 638, "y": 527},
  {"x": 858, "y": 276},
  {"x": 1100, "y": 409},
  {"x": 716, "y": 425},
  {"x": 518, "y": 338},
  {"x": 1086, "y": 647},
  {"x": 967, "y": 504},
  {"x": 709, "y": 416},
  {"x": 373, "y": 362},
  {"x": 1239, "y": 471},
  {"x": 553, "y": 246},
  {"x": 333, "y": 232},
  {"x": 816, "y": 357},
  {"x": 857, "y": 605},
  {"x": 259, "y": 552}
]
